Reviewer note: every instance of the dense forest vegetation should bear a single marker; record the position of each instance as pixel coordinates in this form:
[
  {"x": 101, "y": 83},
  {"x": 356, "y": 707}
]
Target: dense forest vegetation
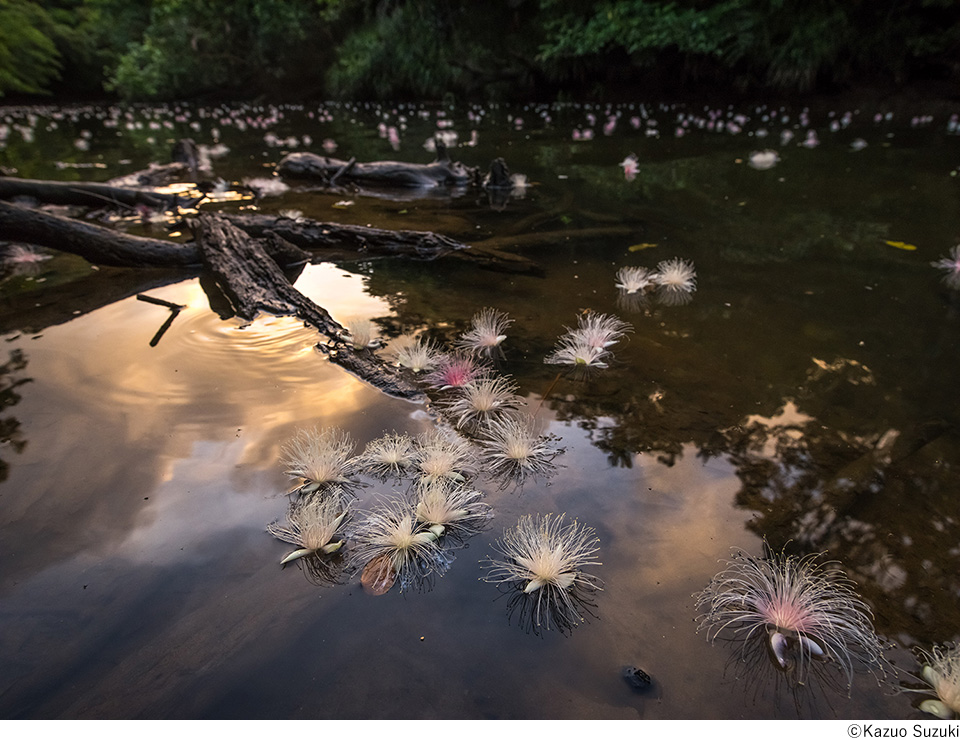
[{"x": 502, "y": 49}]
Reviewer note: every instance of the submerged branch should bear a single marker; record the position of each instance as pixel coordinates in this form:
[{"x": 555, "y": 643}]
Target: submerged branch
[{"x": 553, "y": 238}]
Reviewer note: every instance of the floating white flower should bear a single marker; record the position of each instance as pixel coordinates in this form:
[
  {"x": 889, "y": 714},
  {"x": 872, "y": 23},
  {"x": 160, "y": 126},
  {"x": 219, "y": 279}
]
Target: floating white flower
[
  {"x": 573, "y": 350},
  {"x": 312, "y": 524},
  {"x": 418, "y": 355},
  {"x": 600, "y": 330},
  {"x": 764, "y": 159},
  {"x": 392, "y": 546},
  {"x": 951, "y": 267},
  {"x": 546, "y": 557},
  {"x": 17, "y": 254},
  {"x": 805, "y": 609},
  {"x": 291, "y": 213},
  {"x": 513, "y": 448},
  {"x": 486, "y": 333},
  {"x": 264, "y": 187},
  {"x": 360, "y": 330},
  {"x": 587, "y": 346},
  {"x": 482, "y": 400},
  {"x": 439, "y": 456},
  {"x": 942, "y": 671},
  {"x": 318, "y": 458},
  {"x": 389, "y": 455},
  {"x": 634, "y": 279},
  {"x": 677, "y": 275},
  {"x": 446, "y": 506}
]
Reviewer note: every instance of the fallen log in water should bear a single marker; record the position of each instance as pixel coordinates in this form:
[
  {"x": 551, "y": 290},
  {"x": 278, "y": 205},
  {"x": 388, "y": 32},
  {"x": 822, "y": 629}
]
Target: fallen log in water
[
  {"x": 338, "y": 241},
  {"x": 442, "y": 173},
  {"x": 96, "y": 244},
  {"x": 90, "y": 194},
  {"x": 252, "y": 282},
  {"x": 346, "y": 242},
  {"x": 244, "y": 270}
]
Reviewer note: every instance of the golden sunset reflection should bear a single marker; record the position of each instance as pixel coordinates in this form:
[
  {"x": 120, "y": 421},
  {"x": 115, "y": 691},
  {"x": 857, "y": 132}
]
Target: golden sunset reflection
[{"x": 174, "y": 438}]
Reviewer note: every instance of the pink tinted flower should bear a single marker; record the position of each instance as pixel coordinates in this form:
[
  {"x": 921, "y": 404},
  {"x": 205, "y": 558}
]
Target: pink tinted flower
[
  {"x": 455, "y": 371},
  {"x": 805, "y": 609}
]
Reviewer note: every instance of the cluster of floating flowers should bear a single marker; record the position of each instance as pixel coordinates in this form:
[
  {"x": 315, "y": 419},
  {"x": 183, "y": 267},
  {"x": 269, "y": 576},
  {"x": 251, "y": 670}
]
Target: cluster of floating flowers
[
  {"x": 759, "y": 122},
  {"x": 391, "y": 121},
  {"x": 479, "y": 402},
  {"x": 672, "y": 284},
  {"x": 408, "y": 538},
  {"x": 403, "y": 538}
]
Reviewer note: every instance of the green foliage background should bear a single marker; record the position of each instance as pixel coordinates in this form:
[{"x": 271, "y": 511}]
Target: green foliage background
[{"x": 500, "y": 49}]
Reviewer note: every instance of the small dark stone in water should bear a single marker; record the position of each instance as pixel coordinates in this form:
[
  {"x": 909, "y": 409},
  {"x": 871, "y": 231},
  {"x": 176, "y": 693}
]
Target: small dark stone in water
[{"x": 637, "y": 679}]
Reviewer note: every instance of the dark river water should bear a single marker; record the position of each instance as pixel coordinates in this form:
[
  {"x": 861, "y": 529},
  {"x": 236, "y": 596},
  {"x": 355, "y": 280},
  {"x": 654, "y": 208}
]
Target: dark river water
[{"x": 804, "y": 395}]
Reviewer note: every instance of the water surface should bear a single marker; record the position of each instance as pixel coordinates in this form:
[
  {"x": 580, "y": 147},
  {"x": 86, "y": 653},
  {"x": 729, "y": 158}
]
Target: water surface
[{"x": 805, "y": 396}]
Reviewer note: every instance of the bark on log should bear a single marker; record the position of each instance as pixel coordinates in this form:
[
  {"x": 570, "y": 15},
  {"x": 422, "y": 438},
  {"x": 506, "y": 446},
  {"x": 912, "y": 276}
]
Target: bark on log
[
  {"x": 253, "y": 283},
  {"x": 89, "y": 194},
  {"x": 345, "y": 241}
]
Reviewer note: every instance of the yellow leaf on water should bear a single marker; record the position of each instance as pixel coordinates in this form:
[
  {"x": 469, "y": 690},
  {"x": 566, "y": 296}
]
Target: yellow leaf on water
[
  {"x": 638, "y": 247},
  {"x": 901, "y": 245}
]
